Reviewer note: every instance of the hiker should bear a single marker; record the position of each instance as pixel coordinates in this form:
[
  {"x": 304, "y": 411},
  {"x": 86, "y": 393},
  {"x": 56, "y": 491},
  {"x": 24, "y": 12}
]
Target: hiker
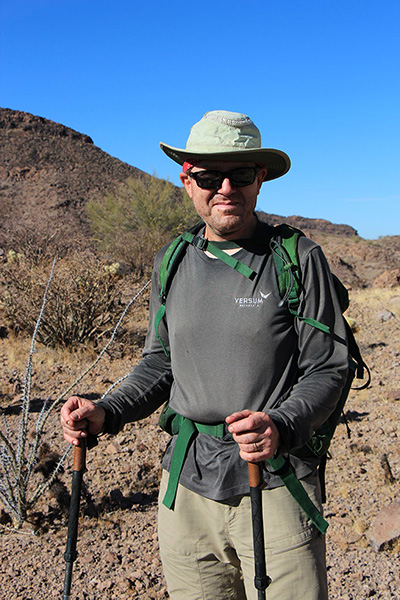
[{"x": 249, "y": 381}]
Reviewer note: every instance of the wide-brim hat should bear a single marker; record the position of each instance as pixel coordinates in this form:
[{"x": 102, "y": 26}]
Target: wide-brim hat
[{"x": 229, "y": 136}]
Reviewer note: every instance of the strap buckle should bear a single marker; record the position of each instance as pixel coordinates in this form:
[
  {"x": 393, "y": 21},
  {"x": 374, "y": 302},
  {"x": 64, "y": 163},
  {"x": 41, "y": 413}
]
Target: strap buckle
[{"x": 200, "y": 242}]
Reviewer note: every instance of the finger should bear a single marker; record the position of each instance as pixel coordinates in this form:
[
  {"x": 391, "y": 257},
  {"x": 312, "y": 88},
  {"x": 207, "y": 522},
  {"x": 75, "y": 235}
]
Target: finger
[
  {"x": 250, "y": 422},
  {"x": 237, "y": 416},
  {"x": 251, "y": 456},
  {"x": 252, "y": 448},
  {"x": 246, "y": 438},
  {"x": 73, "y": 437},
  {"x": 84, "y": 413}
]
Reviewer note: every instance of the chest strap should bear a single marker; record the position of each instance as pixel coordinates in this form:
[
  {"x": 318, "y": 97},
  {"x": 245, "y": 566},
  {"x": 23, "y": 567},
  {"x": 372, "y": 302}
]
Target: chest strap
[{"x": 185, "y": 429}]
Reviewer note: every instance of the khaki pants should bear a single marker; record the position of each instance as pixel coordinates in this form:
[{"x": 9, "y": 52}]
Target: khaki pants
[{"x": 207, "y": 547}]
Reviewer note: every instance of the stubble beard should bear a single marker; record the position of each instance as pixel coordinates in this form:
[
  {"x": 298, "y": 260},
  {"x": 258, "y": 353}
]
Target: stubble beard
[{"x": 229, "y": 226}]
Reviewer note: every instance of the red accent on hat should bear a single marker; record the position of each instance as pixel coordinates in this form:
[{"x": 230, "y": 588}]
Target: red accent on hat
[{"x": 186, "y": 166}]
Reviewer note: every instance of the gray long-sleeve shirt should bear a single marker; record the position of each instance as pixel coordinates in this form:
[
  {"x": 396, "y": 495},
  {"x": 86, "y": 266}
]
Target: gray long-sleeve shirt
[{"x": 233, "y": 347}]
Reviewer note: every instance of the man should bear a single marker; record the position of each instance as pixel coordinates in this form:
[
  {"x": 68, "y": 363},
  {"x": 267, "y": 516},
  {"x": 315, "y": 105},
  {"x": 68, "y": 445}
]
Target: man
[{"x": 234, "y": 355}]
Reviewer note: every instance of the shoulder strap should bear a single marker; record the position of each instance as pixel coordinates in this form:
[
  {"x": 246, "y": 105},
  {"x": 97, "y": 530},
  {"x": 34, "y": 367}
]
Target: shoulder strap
[
  {"x": 217, "y": 250},
  {"x": 169, "y": 263},
  {"x": 284, "y": 249}
]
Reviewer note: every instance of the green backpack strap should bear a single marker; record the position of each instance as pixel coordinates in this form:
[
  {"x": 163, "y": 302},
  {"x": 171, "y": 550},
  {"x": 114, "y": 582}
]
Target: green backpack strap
[
  {"x": 284, "y": 246},
  {"x": 218, "y": 252},
  {"x": 185, "y": 429},
  {"x": 168, "y": 265},
  {"x": 172, "y": 257},
  {"x": 284, "y": 249},
  {"x": 282, "y": 468}
]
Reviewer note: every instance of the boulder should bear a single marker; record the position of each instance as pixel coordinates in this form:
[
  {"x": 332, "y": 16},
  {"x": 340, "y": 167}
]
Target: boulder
[
  {"x": 386, "y": 527},
  {"x": 388, "y": 279}
]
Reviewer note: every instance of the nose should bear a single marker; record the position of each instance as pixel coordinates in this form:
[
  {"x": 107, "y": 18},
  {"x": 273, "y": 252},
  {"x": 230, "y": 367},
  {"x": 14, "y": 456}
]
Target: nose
[{"x": 226, "y": 187}]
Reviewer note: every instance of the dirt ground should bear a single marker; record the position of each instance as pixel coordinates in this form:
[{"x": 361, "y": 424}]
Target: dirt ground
[{"x": 118, "y": 550}]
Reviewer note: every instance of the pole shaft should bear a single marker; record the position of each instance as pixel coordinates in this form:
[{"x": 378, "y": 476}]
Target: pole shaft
[
  {"x": 79, "y": 467},
  {"x": 261, "y": 579}
]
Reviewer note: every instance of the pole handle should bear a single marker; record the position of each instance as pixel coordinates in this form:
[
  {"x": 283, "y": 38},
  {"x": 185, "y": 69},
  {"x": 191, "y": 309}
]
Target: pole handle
[
  {"x": 79, "y": 463},
  {"x": 255, "y": 477}
]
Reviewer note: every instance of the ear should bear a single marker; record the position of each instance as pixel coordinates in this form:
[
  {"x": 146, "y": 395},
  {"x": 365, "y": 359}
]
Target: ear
[
  {"x": 187, "y": 182},
  {"x": 260, "y": 178}
]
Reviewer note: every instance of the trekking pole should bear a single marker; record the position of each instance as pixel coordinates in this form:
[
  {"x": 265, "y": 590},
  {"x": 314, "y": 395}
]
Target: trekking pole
[
  {"x": 261, "y": 579},
  {"x": 79, "y": 467}
]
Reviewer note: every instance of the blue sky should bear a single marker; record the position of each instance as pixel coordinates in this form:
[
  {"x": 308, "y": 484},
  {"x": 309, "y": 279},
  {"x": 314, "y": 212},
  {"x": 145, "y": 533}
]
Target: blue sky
[{"x": 319, "y": 78}]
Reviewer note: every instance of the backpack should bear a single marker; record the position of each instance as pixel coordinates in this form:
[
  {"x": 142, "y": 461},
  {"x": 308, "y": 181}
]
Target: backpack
[{"x": 284, "y": 247}]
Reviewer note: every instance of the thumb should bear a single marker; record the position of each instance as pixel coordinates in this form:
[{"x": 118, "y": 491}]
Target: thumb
[{"x": 81, "y": 413}]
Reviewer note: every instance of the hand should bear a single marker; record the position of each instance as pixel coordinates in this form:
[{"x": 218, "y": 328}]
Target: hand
[
  {"x": 256, "y": 434},
  {"x": 78, "y": 417}
]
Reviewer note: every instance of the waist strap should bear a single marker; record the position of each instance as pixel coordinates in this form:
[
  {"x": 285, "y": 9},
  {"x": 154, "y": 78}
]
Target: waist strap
[{"x": 186, "y": 429}]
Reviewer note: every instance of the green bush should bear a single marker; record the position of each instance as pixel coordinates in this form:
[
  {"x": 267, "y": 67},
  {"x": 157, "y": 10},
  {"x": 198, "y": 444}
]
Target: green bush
[{"x": 141, "y": 217}]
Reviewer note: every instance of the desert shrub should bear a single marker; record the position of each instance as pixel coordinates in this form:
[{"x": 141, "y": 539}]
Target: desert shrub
[
  {"x": 20, "y": 453},
  {"x": 141, "y": 217},
  {"x": 80, "y": 305},
  {"x": 35, "y": 245}
]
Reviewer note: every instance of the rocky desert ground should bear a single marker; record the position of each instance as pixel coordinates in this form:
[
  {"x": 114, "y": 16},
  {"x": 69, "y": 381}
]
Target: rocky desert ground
[{"x": 117, "y": 545}]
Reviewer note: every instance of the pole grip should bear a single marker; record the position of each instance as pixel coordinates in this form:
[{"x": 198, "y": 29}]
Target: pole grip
[
  {"x": 79, "y": 463},
  {"x": 255, "y": 478}
]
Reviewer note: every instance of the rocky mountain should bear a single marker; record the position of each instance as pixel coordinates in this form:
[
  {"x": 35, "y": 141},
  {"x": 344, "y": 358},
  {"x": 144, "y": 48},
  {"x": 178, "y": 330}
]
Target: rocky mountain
[{"x": 48, "y": 173}]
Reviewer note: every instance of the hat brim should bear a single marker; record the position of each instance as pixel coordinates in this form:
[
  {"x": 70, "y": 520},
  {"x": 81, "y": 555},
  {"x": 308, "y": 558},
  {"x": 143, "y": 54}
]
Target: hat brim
[{"x": 276, "y": 162}]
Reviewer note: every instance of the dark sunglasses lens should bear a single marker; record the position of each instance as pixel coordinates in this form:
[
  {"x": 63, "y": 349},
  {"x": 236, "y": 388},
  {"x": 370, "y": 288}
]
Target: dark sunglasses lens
[
  {"x": 212, "y": 180},
  {"x": 242, "y": 177},
  {"x": 208, "y": 180}
]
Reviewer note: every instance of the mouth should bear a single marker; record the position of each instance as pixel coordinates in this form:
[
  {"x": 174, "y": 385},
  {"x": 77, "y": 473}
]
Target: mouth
[{"x": 224, "y": 203}]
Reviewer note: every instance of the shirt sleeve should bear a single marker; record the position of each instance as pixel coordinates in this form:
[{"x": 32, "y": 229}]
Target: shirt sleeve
[
  {"x": 148, "y": 385},
  {"x": 322, "y": 357}
]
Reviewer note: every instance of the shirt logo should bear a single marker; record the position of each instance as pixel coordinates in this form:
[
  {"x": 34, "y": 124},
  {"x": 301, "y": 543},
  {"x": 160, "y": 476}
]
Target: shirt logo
[
  {"x": 252, "y": 302},
  {"x": 265, "y": 296}
]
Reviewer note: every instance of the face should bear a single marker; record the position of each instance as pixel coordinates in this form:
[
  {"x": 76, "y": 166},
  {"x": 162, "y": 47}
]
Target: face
[{"x": 229, "y": 211}]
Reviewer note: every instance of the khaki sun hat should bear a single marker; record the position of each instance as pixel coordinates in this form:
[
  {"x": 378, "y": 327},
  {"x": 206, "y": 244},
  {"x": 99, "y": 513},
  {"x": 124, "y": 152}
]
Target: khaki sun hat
[{"x": 229, "y": 136}]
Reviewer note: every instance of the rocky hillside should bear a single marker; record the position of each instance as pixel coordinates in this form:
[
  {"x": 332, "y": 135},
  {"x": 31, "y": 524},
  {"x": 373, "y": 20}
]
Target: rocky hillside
[{"x": 48, "y": 173}]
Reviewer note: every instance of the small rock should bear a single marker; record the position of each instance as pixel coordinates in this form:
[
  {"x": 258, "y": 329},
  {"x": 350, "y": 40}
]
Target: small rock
[
  {"x": 384, "y": 315},
  {"x": 111, "y": 558},
  {"x": 387, "y": 469},
  {"x": 113, "y": 448},
  {"x": 352, "y": 324},
  {"x": 386, "y": 526},
  {"x": 105, "y": 585}
]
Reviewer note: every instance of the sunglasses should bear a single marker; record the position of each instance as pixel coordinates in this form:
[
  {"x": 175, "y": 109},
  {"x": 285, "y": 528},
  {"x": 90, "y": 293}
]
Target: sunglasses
[{"x": 212, "y": 180}]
